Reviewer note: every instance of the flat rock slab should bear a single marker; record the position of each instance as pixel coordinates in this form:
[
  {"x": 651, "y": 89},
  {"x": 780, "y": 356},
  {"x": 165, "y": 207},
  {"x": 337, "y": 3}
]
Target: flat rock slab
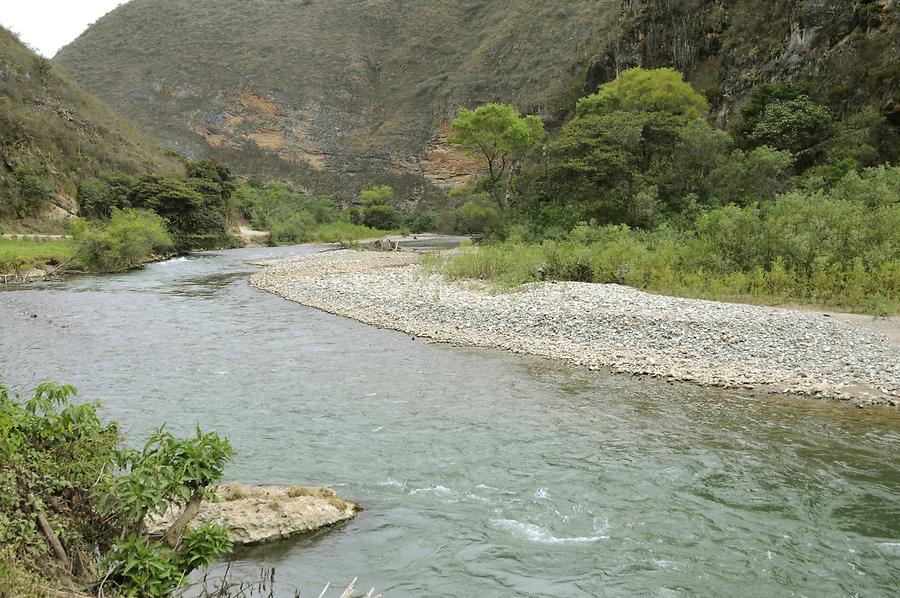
[{"x": 262, "y": 514}]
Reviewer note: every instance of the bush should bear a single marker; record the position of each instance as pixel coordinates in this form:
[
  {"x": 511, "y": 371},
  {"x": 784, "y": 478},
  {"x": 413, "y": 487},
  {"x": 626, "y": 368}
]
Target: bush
[
  {"x": 421, "y": 222},
  {"x": 129, "y": 239},
  {"x": 57, "y": 458},
  {"x": 839, "y": 248},
  {"x": 477, "y": 216}
]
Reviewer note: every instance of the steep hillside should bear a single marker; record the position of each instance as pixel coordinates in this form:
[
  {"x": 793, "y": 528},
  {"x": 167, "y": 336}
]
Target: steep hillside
[
  {"x": 331, "y": 94},
  {"x": 336, "y": 95},
  {"x": 53, "y": 134},
  {"x": 848, "y": 50}
]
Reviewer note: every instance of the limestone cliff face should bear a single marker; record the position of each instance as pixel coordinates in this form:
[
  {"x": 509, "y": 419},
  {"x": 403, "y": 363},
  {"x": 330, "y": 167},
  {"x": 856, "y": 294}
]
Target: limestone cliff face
[{"x": 337, "y": 95}]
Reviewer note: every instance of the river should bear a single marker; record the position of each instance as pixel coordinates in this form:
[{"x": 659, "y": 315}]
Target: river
[{"x": 481, "y": 473}]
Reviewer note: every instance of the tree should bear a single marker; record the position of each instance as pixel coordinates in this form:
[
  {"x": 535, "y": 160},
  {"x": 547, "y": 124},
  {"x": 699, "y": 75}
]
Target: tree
[
  {"x": 797, "y": 125},
  {"x": 98, "y": 196},
  {"x": 699, "y": 150},
  {"x": 377, "y": 211},
  {"x": 646, "y": 90},
  {"x": 598, "y": 161},
  {"x": 760, "y": 98},
  {"x": 194, "y": 209},
  {"x": 501, "y": 137},
  {"x": 746, "y": 178},
  {"x": 219, "y": 176},
  {"x": 374, "y": 196}
]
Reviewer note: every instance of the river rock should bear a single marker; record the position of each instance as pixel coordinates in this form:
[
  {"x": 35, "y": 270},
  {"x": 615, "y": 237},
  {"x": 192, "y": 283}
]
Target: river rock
[{"x": 261, "y": 514}]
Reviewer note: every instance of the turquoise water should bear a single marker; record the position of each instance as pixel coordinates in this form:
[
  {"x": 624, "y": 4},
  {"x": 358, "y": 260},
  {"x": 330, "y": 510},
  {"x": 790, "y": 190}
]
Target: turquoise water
[{"x": 481, "y": 473}]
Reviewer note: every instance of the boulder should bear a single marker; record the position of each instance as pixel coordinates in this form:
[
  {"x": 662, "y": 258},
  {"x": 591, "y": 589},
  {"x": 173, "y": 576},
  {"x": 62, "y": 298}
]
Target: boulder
[{"x": 261, "y": 514}]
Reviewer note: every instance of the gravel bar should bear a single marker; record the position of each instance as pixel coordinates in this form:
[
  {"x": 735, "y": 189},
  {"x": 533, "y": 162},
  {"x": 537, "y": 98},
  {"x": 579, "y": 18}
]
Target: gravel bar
[{"x": 601, "y": 326}]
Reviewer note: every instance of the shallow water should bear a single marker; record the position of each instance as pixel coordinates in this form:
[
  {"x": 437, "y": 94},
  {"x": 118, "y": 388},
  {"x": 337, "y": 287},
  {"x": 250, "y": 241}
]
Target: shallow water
[{"x": 481, "y": 473}]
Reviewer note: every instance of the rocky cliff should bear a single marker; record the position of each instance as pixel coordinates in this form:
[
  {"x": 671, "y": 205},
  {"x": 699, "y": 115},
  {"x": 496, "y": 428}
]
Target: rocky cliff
[
  {"x": 849, "y": 50},
  {"x": 340, "y": 94}
]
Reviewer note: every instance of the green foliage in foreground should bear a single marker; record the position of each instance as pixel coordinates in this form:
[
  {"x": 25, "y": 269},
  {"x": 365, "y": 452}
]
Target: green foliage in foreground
[
  {"x": 838, "y": 247},
  {"x": 127, "y": 240},
  {"x": 58, "y": 459}
]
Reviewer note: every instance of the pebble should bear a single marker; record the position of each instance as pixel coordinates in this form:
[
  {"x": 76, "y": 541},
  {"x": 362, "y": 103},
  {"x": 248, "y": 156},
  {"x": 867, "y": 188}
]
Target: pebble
[{"x": 599, "y": 325}]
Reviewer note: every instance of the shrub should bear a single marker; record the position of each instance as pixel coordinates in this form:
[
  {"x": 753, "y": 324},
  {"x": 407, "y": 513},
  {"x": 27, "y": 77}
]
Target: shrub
[
  {"x": 59, "y": 459},
  {"x": 840, "y": 247},
  {"x": 129, "y": 239},
  {"x": 421, "y": 222}
]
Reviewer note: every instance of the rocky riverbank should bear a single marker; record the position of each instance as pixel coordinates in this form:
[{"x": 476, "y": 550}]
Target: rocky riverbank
[{"x": 604, "y": 326}]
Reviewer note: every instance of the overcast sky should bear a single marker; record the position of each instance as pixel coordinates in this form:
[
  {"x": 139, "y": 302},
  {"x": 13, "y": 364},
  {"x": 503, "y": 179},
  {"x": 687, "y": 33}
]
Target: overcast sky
[{"x": 48, "y": 25}]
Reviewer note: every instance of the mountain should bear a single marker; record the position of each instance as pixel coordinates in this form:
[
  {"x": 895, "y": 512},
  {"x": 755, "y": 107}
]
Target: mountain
[
  {"x": 336, "y": 95},
  {"x": 53, "y": 134}
]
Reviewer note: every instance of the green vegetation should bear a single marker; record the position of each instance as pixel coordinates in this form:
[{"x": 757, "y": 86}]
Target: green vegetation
[
  {"x": 292, "y": 218},
  {"x": 53, "y": 135},
  {"x": 194, "y": 209},
  {"x": 73, "y": 500},
  {"x": 646, "y": 90},
  {"x": 130, "y": 238},
  {"x": 18, "y": 256},
  {"x": 637, "y": 190},
  {"x": 500, "y": 137},
  {"x": 376, "y": 211},
  {"x": 135, "y": 220}
]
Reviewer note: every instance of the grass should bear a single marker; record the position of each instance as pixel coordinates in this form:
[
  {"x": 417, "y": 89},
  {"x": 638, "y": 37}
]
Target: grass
[
  {"x": 339, "y": 231},
  {"x": 664, "y": 269},
  {"x": 21, "y": 255}
]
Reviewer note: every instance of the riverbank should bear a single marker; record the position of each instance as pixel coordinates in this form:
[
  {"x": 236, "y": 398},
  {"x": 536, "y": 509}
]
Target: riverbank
[{"x": 605, "y": 326}]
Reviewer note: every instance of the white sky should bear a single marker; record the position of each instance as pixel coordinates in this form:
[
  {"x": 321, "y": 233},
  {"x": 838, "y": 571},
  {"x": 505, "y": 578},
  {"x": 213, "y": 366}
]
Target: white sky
[{"x": 48, "y": 25}]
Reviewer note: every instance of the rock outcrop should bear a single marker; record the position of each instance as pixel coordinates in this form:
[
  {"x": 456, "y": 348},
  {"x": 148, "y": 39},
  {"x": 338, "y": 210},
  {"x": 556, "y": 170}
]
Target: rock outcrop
[{"x": 261, "y": 514}]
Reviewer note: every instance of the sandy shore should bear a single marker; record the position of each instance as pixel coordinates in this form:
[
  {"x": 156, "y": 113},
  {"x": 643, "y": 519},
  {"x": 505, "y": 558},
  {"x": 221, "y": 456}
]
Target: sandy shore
[{"x": 598, "y": 326}]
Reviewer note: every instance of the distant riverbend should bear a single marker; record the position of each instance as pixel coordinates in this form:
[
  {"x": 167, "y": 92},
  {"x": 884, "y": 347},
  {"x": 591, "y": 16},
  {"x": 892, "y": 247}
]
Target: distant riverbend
[{"x": 599, "y": 325}]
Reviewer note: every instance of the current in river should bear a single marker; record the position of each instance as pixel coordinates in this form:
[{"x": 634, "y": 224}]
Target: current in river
[{"x": 481, "y": 473}]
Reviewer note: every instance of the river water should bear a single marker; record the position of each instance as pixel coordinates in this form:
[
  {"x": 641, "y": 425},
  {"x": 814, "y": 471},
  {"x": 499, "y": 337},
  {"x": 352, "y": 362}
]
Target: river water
[{"x": 481, "y": 473}]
